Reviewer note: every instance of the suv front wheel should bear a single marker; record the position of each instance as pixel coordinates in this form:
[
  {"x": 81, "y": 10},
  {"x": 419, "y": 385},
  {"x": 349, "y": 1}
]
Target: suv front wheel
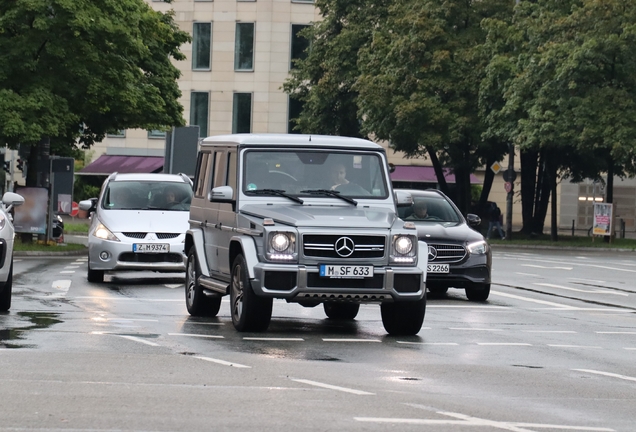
[
  {"x": 403, "y": 318},
  {"x": 249, "y": 312},
  {"x": 197, "y": 303}
]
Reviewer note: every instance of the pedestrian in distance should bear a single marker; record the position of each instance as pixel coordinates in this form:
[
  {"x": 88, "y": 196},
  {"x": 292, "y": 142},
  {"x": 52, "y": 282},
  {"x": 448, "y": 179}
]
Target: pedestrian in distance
[{"x": 495, "y": 221}]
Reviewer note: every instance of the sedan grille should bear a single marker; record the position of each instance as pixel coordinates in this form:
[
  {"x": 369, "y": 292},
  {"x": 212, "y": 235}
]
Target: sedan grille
[
  {"x": 445, "y": 253},
  {"x": 356, "y": 246}
]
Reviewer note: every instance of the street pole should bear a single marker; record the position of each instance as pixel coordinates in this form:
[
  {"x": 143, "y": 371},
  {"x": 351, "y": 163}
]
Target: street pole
[{"x": 510, "y": 196}]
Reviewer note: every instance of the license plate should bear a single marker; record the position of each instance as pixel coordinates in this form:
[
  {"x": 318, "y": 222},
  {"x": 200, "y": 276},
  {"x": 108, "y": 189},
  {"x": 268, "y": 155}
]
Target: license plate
[
  {"x": 151, "y": 247},
  {"x": 437, "y": 268},
  {"x": 346, "y": 271}
]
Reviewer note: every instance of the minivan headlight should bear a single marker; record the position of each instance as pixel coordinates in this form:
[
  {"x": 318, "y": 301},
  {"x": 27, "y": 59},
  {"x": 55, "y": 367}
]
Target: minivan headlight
[
  {"x": 478, "y": 248},
  {"x": 101, "y": 232},
  {"x": 281, "y": 246},
  {"x": 403, "y": 249}
]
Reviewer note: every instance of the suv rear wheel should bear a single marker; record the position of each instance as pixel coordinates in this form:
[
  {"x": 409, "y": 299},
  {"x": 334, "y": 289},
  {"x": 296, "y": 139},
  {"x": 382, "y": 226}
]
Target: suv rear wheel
[
  {"x": 197, "y": 303},
  {"x": 249, "y": 312},
  {"x": 403, "y": 318},
  {"x": 341, "y": 311},
  {"x": 5, "y": 291}
]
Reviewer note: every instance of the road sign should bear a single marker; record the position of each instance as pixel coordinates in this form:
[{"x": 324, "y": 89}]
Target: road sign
[
  {"x": 496, "y": 167},
  {"x": 509, "y": 175},
  {"x": 74, "y": 209},
  {"x": 508, "y": 186}
]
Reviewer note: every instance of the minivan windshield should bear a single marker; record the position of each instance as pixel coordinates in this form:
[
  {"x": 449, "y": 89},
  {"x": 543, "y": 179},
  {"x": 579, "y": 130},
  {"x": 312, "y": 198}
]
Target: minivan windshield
[
  {"x": 310, "y": 173},
  {"x": 151, "y": 195}
]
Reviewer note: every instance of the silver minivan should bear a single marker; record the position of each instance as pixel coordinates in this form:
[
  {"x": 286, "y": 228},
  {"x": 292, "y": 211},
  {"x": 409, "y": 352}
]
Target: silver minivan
[
  {"x": 138, "y": 223},
  {"x": 9, "y": 200}
]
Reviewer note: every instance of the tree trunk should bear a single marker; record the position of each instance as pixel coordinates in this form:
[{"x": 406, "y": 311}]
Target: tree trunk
[
  {"x": 439, "y": 172},
  {"x": 462, "y": 183},
  {"x": 548, "y": 173},
  {"x": 489, "y": 177},
  {"x": 554, "y": 228},
  {"x": 609, "y": 193},
  {"x": 528, "y": 160}
]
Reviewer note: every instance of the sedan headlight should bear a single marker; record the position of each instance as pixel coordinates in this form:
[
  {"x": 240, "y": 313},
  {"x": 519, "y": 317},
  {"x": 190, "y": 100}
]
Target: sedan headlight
[
  {"x": 403, "y": 249},
  {"x": 101, "y": 232},
  {"x": 281, "y": 246},
  {"x": 478, "y": 248}
]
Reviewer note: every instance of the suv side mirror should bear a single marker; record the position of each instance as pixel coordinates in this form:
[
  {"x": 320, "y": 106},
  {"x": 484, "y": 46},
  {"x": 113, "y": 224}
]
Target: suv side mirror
[
  {"x": 473, "y": 220},
  {"x": 221, "y": 193},
  {"x": 403, "y": 199}
]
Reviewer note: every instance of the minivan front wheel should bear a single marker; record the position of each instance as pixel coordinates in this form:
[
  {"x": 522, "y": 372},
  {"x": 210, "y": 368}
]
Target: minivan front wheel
[
  {"x": 197, "y": 303},
  {"x": 96, "y": 276},
  {"x": 249, "y": 312},
  {"x": 5, "y": 291}
]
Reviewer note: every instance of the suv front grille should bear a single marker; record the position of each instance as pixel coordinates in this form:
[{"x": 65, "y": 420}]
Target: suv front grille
[
  {"x": 447, "y": 253},
  {"x": 324, "y": 246}
]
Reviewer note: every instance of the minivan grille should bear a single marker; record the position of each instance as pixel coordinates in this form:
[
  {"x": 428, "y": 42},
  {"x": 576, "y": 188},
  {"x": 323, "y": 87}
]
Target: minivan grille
[
  {"x": 324, "y": 246},
  {"x": 137, "y": 235},
  {"x": 446, "y": 253},
  {"x": 162, "y": 236}
]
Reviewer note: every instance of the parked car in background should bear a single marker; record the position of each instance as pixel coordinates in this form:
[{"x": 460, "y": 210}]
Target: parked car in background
[
  {"x": 9, "y": 200},
  {"x": 458, "y": 256},
  {"x": 138, "y": 223}
]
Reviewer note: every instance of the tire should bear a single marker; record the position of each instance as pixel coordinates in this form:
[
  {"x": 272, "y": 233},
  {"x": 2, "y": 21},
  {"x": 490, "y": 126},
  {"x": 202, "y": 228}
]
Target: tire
[
  {"x": 437, "y": 290},
  {"x": 197, "y": 303},
  {"x": 96, "y": 276},
  {"x": 403, "y": 318},
  {"x": 341, "y": 311},
  {"x": 249, "y": 312},
  {"x": 5, "y": 292},
  {"x": 478, "y": 292}
]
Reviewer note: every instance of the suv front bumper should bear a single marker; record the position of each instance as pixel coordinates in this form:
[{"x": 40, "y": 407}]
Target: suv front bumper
[{"x": 299, "y": 283}]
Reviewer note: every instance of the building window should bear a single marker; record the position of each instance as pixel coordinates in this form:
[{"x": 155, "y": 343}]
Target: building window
[
  {"x": 201, "y": 45},
  {"x": 155, "y": 133},
  {"x": 118, "y": 134},
  {"x": 293, "y": 112},
  {"x": 199, "y": 111},
  {"x": 244, "y": 47},
  {"x": 299, "y": 44},
  {"x": 242, "y": 113}
]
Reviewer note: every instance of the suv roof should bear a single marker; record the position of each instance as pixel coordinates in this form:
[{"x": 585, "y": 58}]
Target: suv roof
[
  {"x": 291, "y": 140},
  {"x": 149, "y": 177}
]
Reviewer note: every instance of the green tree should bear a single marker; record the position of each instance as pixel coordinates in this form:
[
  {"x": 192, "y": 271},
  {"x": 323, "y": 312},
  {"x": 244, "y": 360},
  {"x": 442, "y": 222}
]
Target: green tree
[
  {"x": 73, "y": 70},
  {"x": 419, "y": 84}
]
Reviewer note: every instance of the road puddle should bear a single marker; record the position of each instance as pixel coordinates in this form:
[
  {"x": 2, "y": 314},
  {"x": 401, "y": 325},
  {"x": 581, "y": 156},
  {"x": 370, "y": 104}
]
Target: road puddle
[{"x": 10, "y": 338}]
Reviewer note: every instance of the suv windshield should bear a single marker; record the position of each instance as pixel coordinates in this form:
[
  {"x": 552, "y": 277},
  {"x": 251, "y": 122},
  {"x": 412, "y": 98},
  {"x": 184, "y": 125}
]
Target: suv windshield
[
  {"x": 136, "y": 195},
  {"x": 303, "y": 173},
  {"x": 429, "y": 209}
]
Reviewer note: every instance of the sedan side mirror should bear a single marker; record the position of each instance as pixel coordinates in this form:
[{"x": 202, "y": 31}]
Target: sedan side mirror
[{"x": 473, "y": 220}]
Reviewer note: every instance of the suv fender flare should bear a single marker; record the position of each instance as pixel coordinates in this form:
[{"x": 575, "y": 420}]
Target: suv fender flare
[
  {"x": 248, "y": 249},
  {"x": 194, "y": 237},
  {"x": 422, "y": 260}
]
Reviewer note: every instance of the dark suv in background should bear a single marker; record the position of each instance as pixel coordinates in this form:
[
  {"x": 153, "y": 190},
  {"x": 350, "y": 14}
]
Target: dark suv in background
[{"x": 458, "y": 256}]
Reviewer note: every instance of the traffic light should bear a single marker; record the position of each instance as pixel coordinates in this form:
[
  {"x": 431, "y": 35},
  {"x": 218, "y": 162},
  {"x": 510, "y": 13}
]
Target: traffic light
[
  {"x": 7, "y": 166},
  {"x": 20, "y": 164}
]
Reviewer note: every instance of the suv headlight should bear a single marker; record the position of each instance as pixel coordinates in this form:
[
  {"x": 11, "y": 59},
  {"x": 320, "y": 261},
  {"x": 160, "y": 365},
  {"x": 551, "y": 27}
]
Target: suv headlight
[
  {"x": 281, "y": 246},
  {"x": 403, "y": 249},
  {"x": 101, "y": 232},
  {"x": 478, "y": 248}
]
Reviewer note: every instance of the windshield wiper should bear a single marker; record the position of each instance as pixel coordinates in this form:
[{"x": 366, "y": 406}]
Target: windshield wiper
[
  {"x": 278, "y": 192},
  {"x": 332, "y": 193}
]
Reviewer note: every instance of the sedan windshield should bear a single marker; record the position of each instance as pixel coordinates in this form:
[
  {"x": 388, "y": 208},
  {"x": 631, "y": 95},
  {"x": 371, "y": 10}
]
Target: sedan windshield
[
  {"x": 137, "y": 195},
  {"x": 429, "y": 209},
  {"x": 310, "y": 173}
]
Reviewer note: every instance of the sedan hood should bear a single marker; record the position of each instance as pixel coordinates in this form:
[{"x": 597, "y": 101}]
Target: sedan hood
[
  {"x": 452, "y": 233},
  {"x": 325, "y": 216},
  {"x": 145, "y": 221}
]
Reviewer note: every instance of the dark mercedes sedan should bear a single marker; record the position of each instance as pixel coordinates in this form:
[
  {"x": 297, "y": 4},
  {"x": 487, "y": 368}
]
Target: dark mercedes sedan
[{"x": 458, "y": 256}]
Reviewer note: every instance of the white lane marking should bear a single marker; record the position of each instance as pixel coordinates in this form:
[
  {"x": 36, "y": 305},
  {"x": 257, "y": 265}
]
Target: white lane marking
[
  {"x": 608, "y": 374},
  {"x": 332, "y": 387},
  {"x": 546, "y": 267},
  {"x": 132, "y": 338},
  {"x": 527, "y": 274},
  {"x": 197, "y": 335},
  {"x": 428, "y": 343},
  {"x": 516, "y": 427},
  {"x": 67, "y": 271},
  {"x": 503, "y": 344},
  {"x": 587, "y": 280},
  {"x": 202, "y": 323},
  {"x": 273, "y": 339},
  {"x": 465, "y": 307},
  {"x": 61, "y": 288},
  {"x": 474, "y": 328},
  {"x": 580, "y": 290},
  {"x": 173, "y": 286},
  {"x": 575, "y": 346},
  {"x": 557, "y": 305},
  {"x": 350, "y": 340},
  {"x": 586, "y": 264},
  {"x": 549, "y": 331},
  {"x": 615, "y": 332},
  {"x": 125, "y": 299},
  {"x": 71, "y": 267},
  {"x": 630, "y": 348},
  {"x": 222, "y": 362}
]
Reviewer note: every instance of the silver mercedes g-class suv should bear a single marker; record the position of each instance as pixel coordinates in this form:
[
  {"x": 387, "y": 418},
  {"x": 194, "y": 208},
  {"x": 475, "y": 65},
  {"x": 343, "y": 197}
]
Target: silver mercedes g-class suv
[{"x": 306, "y": 218}]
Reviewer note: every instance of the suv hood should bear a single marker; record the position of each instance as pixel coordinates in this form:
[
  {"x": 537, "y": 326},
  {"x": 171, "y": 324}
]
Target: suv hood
[
  {"x": 453, "y": 233},
  {"x": 325, "y": 216},
  {"x": 145, "y": 221}
]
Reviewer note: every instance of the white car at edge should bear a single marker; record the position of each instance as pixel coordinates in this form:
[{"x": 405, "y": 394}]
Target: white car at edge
[{"x": 9, "y": 200}]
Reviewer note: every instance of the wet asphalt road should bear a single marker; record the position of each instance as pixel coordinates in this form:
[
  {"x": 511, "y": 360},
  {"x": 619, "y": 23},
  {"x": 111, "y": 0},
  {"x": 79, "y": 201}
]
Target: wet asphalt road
[{"x": 554, "y": 348}]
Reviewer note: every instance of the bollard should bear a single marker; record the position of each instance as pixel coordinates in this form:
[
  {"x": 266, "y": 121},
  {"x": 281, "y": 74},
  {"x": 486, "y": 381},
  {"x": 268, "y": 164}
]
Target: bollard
[{"x": 572, "y": 227}]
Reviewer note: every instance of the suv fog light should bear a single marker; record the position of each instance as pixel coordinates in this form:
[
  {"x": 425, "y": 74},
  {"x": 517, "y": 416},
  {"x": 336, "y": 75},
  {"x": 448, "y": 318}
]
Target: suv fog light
[{"x": 104, "y": 256}]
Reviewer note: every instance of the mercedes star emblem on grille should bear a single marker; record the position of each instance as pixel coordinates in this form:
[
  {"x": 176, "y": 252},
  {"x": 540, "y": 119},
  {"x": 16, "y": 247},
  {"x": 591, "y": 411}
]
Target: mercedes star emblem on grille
[
  {"x": 344, "y": 246},
  {"x": 432, "y": 253}
]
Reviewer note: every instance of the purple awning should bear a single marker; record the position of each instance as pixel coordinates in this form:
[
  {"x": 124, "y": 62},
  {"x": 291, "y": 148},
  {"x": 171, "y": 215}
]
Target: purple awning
[
  {"x": 108, "y": 164},
  {"x": 424, "y": 174}
]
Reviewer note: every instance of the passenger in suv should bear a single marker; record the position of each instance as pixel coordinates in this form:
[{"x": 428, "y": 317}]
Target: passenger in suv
[
  {"x": 264, "y": 225},
  {"x": 458, "y": 256}
]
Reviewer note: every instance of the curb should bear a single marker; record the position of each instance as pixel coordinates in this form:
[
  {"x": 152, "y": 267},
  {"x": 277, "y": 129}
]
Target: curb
[{"x": 563, "y": 248}]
